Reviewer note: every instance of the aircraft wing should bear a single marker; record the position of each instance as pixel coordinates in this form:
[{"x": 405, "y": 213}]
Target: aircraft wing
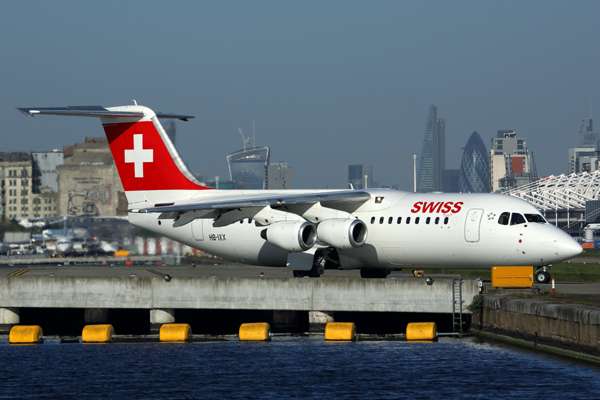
[
  {"x": 229, "y": 202},
  {"x": 229, "y": 209}
]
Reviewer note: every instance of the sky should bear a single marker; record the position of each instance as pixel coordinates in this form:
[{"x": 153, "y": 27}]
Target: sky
[{"x": 328, "y": 83}]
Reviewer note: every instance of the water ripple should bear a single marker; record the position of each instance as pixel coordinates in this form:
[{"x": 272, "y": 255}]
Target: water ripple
[{"x": 290, "y": 368}]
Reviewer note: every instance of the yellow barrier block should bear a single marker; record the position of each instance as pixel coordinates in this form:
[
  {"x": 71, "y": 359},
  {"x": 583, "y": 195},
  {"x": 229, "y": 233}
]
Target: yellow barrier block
[
  {"x": 97, "y": 333},
  {"x": 255, "y": 331},
  {"x": 421, "y": 331},
  {"x": 175, "y": 332},
  {"x": 26, "y": 334},
  {"x": 340, "y": 331}
]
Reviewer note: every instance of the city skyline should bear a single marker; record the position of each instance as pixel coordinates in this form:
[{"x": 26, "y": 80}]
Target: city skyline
[
  {"x": 587, "y": 126},
  {"x": 329, "y": 84}
]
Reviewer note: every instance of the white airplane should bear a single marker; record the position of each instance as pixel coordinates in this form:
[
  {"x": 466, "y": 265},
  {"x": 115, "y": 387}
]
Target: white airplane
[
  {"x": 374, "y": 230},
  {"x": 74, "y": 242},
  {"x": 64, "y": 246}
]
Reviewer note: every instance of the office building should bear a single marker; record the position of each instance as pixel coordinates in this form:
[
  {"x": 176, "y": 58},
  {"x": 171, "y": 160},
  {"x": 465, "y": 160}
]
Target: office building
[
  {"x": 88, "y": 181},
  {"x": 45, "y": 163},
  {"x": 450, "y": 179},
  {"x": 360, "y": 176},
  {"x": 21, "y": 195},
  {"x": 474, "y": 167},
  {"x": 582, "y": 159},
  {"x": 433, "y": 154},
  {"x": 587, "y": 137},
  {"x": 510, "y": 162},
  {"x": 278, "y": 176},
  {"x": 585, "y": 157}
]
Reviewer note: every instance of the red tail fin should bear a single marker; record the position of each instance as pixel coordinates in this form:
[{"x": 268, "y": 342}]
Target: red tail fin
[
  {"x": 145, "y": 160},
  {"x": 145, "y": 157}
]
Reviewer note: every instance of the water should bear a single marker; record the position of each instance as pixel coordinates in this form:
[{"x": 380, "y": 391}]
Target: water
[{"x": 290, "y": 368}]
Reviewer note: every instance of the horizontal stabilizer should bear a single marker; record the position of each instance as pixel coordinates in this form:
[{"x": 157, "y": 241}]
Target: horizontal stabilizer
[{"x": 92, "y": 111}]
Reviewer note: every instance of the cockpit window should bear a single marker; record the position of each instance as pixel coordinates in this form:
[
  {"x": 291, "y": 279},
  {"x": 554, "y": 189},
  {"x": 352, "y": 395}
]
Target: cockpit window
[
  {"x": 535, "y": 218},
  {"x": 504, "y": 217},
  {"x": 516, "y": 219}
]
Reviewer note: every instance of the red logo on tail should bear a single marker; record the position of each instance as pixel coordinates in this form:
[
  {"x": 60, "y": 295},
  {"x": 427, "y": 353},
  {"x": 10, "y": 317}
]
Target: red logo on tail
[
  {"x": 138, "y": 155},
  {"x": 143, "y": 160}
]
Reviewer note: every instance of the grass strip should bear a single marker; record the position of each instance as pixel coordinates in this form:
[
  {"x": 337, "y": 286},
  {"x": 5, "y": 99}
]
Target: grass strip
[{"x": 562, "y": 272}]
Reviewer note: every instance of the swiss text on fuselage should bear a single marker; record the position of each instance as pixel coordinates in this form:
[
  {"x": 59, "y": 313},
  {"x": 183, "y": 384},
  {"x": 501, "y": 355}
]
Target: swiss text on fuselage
[{"x": 437, "y": 207}]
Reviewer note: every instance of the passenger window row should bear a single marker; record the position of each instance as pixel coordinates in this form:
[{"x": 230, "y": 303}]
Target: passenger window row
[{"x": 428, "y": 220}]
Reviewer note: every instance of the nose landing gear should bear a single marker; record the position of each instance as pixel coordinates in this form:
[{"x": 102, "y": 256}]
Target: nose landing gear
[{"x": 542, "y": 276}]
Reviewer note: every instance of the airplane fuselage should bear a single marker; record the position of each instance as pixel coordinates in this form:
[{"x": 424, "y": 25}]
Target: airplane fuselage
[{"x": 405, "y": 230}]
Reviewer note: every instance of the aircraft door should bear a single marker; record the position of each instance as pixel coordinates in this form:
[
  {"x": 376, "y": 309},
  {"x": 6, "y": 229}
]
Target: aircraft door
[
  {"x": 472, "y": 224},
  {"x": 197, "y": 230}
]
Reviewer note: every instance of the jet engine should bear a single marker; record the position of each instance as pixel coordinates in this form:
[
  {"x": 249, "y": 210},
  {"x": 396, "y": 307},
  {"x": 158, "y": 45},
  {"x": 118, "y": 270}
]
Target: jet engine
[
  {"x": 343, "y": 233},
  {"x": 294, "y": 236}
]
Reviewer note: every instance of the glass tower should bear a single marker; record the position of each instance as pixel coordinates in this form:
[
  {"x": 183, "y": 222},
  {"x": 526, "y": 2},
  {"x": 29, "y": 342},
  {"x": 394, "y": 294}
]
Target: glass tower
[
  {"x": 587, "y": 137},
  {"x": 247, "y": 167},
  {"x": 433, "y": 155},
  {"x": 474, "y": 167}
]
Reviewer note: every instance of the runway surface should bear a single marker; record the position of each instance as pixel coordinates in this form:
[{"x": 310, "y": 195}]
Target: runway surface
[{"x": 230, "y": 270}]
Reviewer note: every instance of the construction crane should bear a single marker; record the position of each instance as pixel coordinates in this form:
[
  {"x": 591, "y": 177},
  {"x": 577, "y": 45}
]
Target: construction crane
[{"x": 245, "y": 139}]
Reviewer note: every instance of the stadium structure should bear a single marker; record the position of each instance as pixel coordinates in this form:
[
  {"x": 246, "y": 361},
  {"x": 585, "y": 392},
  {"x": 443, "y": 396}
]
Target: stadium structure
[{"x": 568, "y": 201}]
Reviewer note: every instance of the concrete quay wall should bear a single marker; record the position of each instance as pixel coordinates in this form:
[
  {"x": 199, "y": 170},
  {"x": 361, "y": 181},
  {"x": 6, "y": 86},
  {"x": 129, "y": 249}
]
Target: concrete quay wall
[
  {"x": 369, "y": 295},
  {"x": 564, "y": 324}
]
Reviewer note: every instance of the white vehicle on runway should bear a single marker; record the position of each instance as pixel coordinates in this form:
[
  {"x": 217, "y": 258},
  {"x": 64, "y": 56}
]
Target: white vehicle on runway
[{"x": 374, "y": 230}]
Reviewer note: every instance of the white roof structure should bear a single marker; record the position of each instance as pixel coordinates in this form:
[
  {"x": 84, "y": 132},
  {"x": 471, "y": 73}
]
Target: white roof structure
[{"x": 563, "y": 192}]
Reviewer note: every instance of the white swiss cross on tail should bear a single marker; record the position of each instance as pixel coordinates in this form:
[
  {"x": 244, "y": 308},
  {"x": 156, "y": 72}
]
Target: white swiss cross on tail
[{"x": 138, "y": 155}]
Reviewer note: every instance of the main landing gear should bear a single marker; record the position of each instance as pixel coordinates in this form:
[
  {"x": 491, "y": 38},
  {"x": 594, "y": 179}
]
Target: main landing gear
[{"x": 318, "y": 268}]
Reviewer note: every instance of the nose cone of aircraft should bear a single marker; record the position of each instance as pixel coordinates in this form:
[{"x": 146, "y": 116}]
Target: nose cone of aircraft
[{"x": 568, "y": 247}]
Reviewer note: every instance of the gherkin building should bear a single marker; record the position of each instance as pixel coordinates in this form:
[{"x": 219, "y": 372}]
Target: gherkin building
[{"x": 474, "y": 167}]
